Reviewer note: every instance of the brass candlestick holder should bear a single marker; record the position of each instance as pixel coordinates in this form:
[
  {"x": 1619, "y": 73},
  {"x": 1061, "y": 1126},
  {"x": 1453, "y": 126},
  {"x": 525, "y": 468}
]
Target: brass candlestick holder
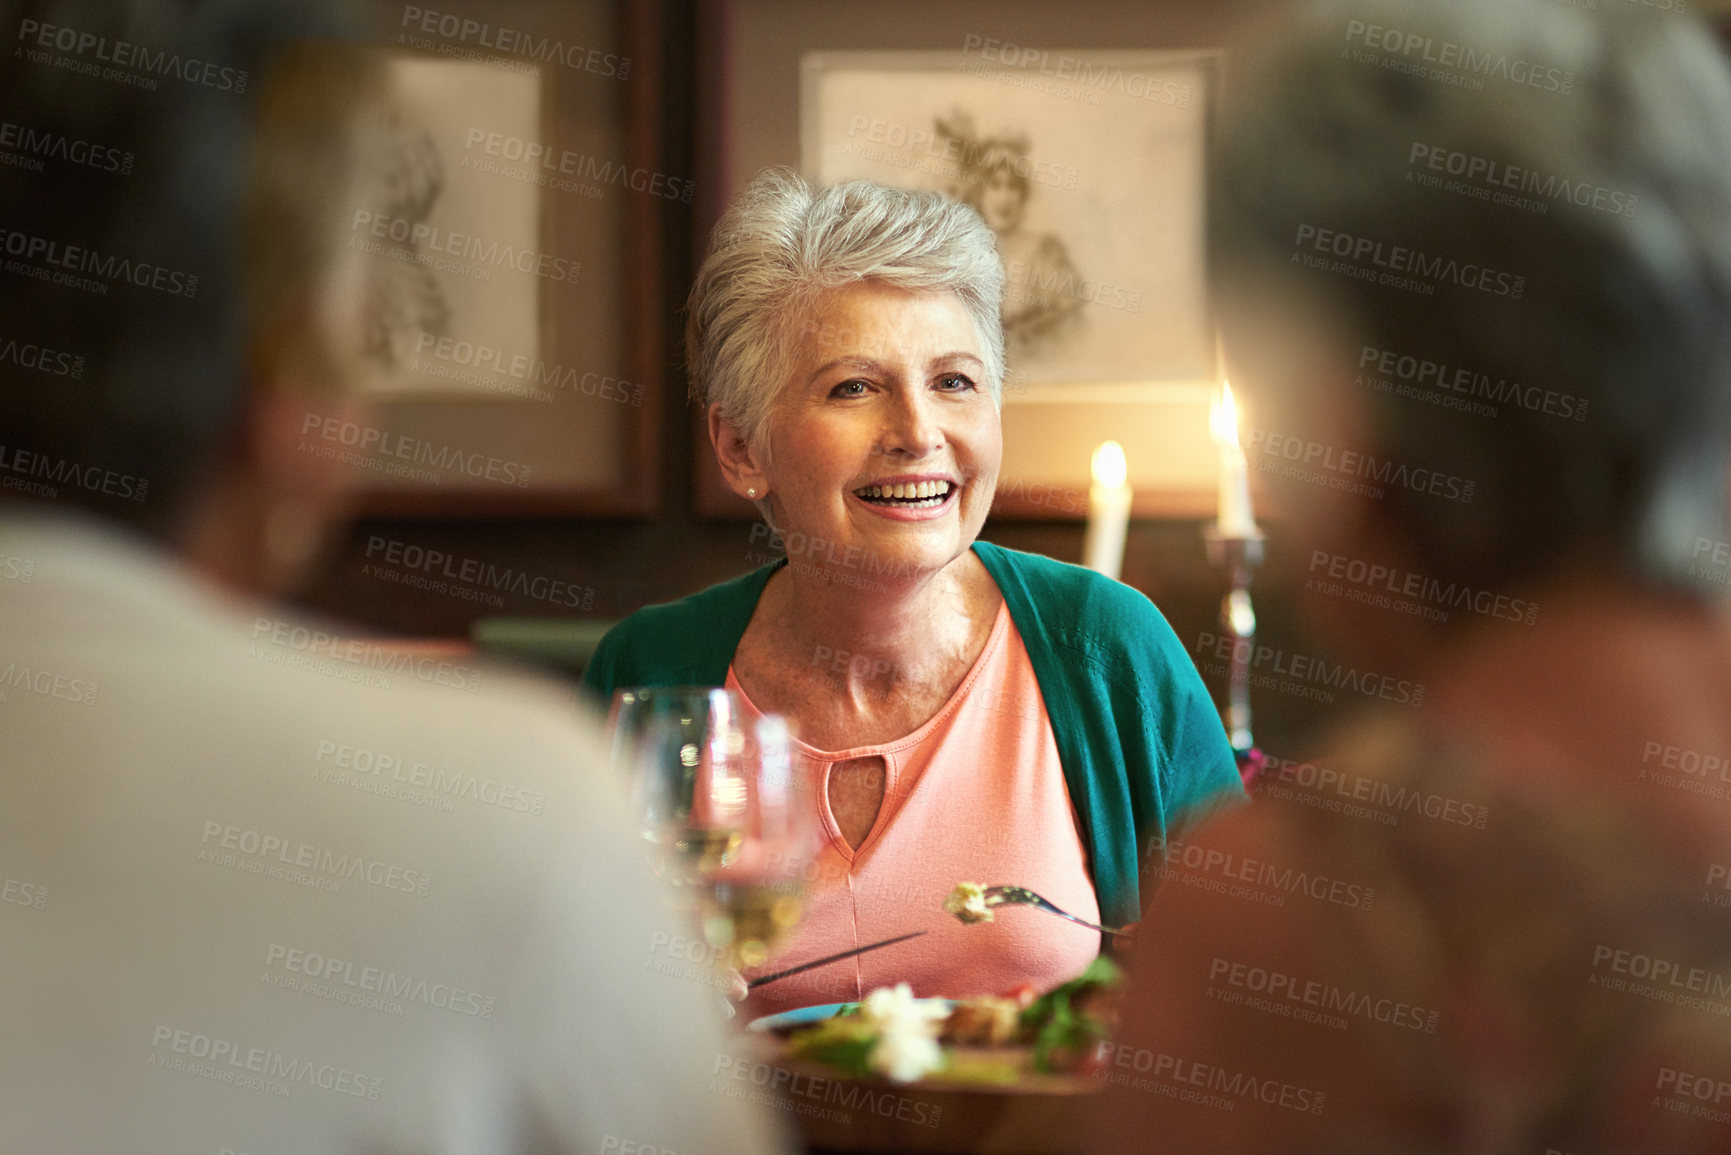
[{"x": 1238, "y": 556}]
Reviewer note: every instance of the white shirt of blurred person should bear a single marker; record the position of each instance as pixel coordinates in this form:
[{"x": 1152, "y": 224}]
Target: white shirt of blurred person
[{"x": 262, "y": 896}]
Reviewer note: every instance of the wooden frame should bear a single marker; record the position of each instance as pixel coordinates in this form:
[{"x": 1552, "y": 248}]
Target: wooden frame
[
  {"x": 713, "y": 124},
  {"x": 624, "y": 298},
  {"x": 1052, "y": 427}
]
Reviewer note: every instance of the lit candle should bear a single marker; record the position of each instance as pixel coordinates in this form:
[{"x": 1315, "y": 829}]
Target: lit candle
[
  {"x": 1234, "y": 518},
  {"x": 1108, "y": 511}
]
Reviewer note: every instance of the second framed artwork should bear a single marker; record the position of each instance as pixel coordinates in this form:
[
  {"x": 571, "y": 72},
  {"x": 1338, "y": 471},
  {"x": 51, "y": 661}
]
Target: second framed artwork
[
  {"x": 508, "y": 252},
  {"x": 1094, "y": 191},
  {"x": 1090, "y": 166}
]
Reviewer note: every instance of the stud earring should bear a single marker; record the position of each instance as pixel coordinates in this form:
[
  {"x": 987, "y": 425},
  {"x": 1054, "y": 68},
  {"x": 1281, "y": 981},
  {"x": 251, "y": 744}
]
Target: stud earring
[{"x": 751, "y": 491}]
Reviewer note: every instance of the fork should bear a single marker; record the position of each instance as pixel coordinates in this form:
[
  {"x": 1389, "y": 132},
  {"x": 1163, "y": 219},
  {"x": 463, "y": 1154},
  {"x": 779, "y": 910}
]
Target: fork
[{"x": 1001, "y": 895}]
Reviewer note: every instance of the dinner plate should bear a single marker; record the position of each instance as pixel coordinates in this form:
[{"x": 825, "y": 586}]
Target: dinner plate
[{"x": 806, "y": 1016}]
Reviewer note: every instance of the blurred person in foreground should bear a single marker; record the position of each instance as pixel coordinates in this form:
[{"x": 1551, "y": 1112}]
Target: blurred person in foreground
[
  {"x": 963, "y": 712},
  {"x": 265, "y": 889},
  {"x": 1497, "y": 922}
]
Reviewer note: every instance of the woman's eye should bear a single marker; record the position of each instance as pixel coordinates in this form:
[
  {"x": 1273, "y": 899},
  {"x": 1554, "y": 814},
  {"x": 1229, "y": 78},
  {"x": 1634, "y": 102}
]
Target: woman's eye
[
  {"x": 854, "y": 388},
  {"x": 955, "y": 383}
]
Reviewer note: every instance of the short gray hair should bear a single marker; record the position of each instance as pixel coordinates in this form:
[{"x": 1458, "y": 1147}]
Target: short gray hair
[
  {"x": 1627, "y": 297},
  {"x": 785, "y": 242}
]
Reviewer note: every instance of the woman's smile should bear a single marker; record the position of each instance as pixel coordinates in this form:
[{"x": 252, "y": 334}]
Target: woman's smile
[{"x": 910, "y": 497}]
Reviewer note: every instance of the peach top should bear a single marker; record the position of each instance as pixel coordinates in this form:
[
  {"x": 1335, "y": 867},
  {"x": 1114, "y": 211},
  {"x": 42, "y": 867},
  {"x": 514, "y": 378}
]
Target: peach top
[{"x": 976, "y": 794}]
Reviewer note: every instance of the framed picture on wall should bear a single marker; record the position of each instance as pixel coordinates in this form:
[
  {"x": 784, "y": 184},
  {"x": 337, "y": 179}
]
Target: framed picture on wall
[
  {"x": 1088, "y": 163},
  {"x": 506, "y": 320},
  {"x": 1094, "y": 188},
  {"x": 445, "y": 243}
]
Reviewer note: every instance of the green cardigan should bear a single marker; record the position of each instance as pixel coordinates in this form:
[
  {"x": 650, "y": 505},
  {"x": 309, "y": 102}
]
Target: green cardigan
[{"x": 1139, "y": 738}]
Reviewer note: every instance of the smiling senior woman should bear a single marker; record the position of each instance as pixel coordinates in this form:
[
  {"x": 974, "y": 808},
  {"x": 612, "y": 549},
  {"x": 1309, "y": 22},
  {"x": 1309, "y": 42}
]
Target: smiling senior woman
[{"x": 966, "y": 712}]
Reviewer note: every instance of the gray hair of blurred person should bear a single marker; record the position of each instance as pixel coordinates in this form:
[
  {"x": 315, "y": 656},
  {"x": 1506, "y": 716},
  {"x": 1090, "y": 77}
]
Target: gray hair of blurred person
[
  {"x": 1627, "y": 310},
  {"x": 785, "y": 242},
  {"x": 243, "y": 183}
]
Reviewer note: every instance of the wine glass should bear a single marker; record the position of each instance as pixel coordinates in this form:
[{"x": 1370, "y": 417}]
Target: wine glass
[{"x": 717, "y": 800}]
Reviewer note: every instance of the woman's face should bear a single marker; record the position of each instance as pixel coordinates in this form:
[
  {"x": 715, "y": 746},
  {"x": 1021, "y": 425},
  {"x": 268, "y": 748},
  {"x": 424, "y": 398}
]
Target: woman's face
[
  {"x": 1002, "y": 200},
  {"x": 887, "y": 388}
]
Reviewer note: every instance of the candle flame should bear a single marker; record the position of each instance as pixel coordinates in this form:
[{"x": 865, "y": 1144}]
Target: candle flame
[
  {"x": 1223, "y": 418},
  {"x": 1110, "y": 468}
]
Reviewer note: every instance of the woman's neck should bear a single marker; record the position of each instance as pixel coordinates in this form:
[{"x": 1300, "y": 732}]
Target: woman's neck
[
  {"x": 871, "y": 642},
  {"x": 898, "y": 620}
]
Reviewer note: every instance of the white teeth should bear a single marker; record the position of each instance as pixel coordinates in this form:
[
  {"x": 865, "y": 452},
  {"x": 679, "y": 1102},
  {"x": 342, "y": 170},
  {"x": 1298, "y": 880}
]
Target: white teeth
[{"x": 908, "y": 491}]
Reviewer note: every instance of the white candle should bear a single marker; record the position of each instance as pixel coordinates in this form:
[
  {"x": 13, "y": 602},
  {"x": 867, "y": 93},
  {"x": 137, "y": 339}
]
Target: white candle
[
  {"x": 1234, "y": 518},
  {"x": 1108, "y": 511}
]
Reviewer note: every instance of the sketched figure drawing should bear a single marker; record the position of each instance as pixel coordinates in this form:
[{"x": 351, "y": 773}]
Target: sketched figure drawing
[{"x": 1042, "y": 309}]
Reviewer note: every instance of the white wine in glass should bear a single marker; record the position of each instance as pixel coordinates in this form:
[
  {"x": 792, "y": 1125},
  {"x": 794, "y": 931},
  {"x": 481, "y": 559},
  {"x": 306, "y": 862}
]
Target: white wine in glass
[{"x": 716, "y": 795}]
